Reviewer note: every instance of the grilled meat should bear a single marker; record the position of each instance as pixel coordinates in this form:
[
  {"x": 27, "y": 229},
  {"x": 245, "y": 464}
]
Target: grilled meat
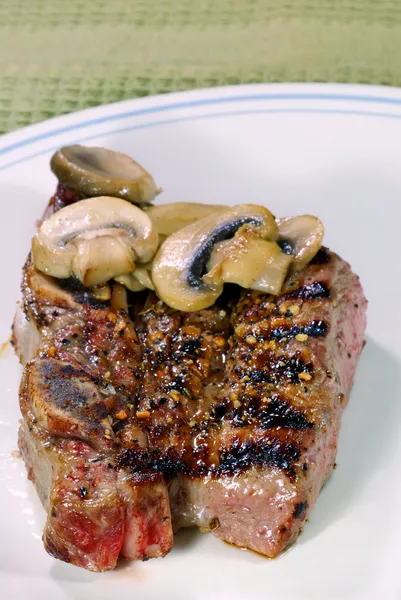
[
  {"x": 139, "y": 420},
  {"x": 247, "y": 455},
  {"x": 81, "y": 382}
]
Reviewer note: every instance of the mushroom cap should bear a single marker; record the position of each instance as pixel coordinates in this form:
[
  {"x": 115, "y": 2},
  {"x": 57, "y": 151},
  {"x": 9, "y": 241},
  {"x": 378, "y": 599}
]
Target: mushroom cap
[
  {"x": 180, "y": 265},
  {"x": 95, "y": 240},
  {"x": 95, "y": 171},
  {"x": 169, "y": 218}
]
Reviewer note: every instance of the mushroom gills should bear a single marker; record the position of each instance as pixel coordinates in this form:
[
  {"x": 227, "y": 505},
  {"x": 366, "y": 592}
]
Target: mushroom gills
[
  {"x": 95, "y": 240},
  {"x": 180, "y": 267},
  {"x": 202, "y": 258},
  {"x": 94, "y": 171}
]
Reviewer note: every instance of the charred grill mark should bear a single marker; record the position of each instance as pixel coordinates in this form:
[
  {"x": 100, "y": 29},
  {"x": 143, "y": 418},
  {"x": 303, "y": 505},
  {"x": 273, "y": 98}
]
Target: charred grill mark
[
  {"x": 300, "y": 509},
  {"x": 316, "y": 329},
  {"x": 252, "y": 406},
  {"x": 80, "y": 293},
  {"x": 52, "y": 369},
  {"x": 190, "y": 346},
  {"x": 313, "y": 291},
  {"x": 70, "y": 370},
  {"x": 236, "y": 417},
  {"x": 178, "y": 384},
  {"x": 219, "y": 411},
  {"x": 273, "y": 369},
  {"x": 67, "y": 394},
  {"x": 238, "y": 458},
  {"x": 258, "y": 376},
  {"x": 313, "y": 329},
  {"x": 279, "y": 413},
  {"x": 72, "y": 390},
  {"x": 321, "y": 258},
  {"x": 152, "y": 462},
  {"x": 291, "y": 367}
]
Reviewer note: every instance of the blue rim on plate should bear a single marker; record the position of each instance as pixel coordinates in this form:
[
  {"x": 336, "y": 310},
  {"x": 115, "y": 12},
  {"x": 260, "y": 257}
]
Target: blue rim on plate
[{"x": 374, "y": 99}]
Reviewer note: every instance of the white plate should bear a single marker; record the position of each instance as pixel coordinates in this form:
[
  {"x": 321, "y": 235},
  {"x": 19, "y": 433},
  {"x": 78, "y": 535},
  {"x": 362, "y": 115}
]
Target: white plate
[{"x": 330, "y": 150}]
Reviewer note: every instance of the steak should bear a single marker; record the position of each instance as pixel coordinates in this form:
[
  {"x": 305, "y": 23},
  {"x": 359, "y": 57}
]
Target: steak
[{"x": 139, "y": 420}]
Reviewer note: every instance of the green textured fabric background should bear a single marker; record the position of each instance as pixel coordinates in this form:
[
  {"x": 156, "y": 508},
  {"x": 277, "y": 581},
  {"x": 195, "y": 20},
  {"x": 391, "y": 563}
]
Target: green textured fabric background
[{"x": 58, "y": 56}]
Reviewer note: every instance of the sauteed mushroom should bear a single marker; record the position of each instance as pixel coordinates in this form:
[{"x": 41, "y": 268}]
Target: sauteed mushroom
[
  {"x": 95, "y": 240},
  {"x": 130, "y": 282},
  {"x": 303, "y": 236},
  {"x": 181, "y": 263},
  {"x": 250, "y": 262},
  {"x": 139, "y": 280},
  {"x": 100, "y": 172},
  {"x": 169, "y": 218},
  {"x": 276, "y": 270}
]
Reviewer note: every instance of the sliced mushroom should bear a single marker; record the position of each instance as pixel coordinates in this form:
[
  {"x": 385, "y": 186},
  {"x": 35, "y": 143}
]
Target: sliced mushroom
[
  {"x": 276, "y": 270},
  {"x": 250, "y": 262},
  {"x": 181, "y": 263},
  {"x": 301, "y": 236},
  {"x": 94, "y": 240},
  {"x": 101, "y": 172},
  {"x": 99, "y": 259},
  {"x": 139, "y": 280},
  {"x": 169, "y": 218},
  {"x": 130, "y": 282},
  {"x": 143, "y": 275}
]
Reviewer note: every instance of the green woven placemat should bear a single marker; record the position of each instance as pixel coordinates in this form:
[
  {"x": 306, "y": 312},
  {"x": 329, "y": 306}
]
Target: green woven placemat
[{"x": 58, "y": 56}]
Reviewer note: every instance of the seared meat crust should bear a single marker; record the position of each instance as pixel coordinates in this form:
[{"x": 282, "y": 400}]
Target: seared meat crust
[{"x": 142, "y": 419}]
